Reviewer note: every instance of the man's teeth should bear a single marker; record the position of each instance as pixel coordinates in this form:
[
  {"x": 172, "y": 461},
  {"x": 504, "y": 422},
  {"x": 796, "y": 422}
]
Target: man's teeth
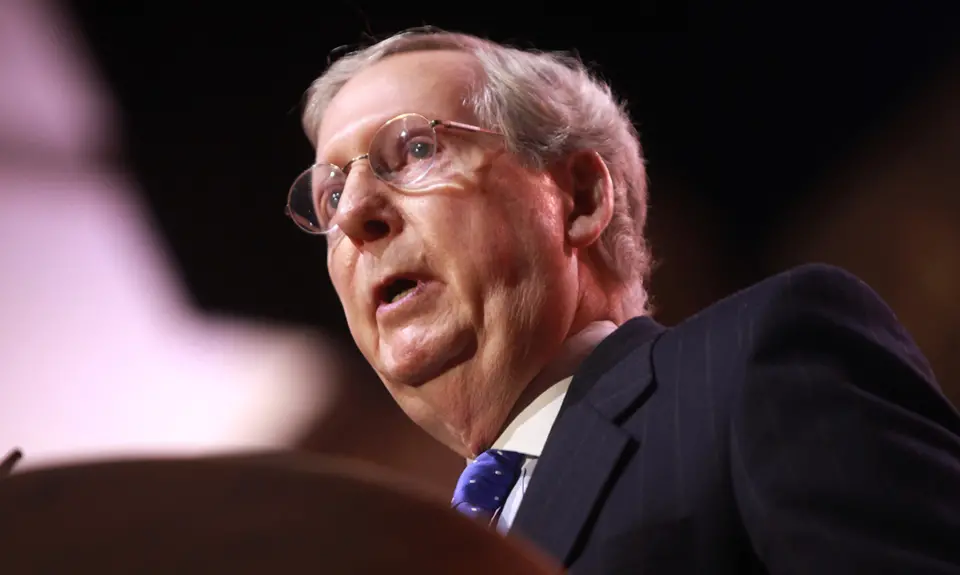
[{"x": 400, "y": 295}]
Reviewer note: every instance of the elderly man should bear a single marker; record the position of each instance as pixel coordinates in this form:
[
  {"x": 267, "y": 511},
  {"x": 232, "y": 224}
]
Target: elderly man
[{"x": 483, "y": 209}]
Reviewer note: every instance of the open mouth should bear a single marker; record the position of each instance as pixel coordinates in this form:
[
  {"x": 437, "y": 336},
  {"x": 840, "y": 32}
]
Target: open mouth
[{"x": 397, "y": 289}]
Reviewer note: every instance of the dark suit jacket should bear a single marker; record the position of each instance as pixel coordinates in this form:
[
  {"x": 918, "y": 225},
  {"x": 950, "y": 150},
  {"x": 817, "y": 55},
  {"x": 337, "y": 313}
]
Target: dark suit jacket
[{"x": 791, "y": 428}]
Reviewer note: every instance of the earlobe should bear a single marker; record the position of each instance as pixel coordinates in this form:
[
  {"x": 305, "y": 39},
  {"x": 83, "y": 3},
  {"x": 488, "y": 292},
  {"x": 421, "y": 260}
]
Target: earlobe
[{"x": 592, "y": 194}]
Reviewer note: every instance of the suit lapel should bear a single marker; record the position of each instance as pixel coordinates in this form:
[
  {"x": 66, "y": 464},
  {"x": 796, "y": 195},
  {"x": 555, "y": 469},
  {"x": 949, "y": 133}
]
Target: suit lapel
[{"x": 586, "y": 445}]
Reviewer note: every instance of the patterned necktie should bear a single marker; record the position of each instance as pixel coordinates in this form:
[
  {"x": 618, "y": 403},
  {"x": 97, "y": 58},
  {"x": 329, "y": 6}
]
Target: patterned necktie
[{"x": 484, "y": 485}]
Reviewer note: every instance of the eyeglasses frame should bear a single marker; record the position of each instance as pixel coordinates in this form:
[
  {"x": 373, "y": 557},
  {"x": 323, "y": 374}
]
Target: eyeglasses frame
[{"x": 345, "y": 170}]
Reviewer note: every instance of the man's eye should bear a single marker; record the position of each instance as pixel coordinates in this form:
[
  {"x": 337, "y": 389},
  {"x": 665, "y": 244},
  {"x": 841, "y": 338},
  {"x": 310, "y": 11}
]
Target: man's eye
[
  {"x": 328, "y": 202},
  {"x": 420, "y": 150},
  {"x": 334, "y": 199}
]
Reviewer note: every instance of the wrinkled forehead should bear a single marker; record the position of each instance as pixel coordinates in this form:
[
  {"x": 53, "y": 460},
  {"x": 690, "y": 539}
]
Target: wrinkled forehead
[{"x": 435, "y": 84}]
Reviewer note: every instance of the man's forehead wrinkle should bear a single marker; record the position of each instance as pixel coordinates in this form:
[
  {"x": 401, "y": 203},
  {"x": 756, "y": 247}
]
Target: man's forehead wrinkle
[
  {"x": 375, "y": 95},
  {"x": 360, "y": 108},
  {"x": 340, "y": 142}
]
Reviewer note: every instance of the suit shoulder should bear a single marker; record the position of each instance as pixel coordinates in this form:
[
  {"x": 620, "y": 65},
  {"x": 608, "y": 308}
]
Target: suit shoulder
[
  {"x": 810, "y": 289},
  {"x": 809, "y": 299},
  {"x": 822, "y": 294},
  {"x": 821, "y": 284},
  {"x": 812, "y": 302}
]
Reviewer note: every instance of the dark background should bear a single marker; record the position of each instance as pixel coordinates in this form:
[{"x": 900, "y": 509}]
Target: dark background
[
  {"x": 745, "y": 109},
  {"x": 774, "y": 134}
]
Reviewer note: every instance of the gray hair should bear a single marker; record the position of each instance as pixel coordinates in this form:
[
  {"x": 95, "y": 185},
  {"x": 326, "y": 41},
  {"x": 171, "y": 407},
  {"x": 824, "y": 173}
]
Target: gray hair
[{"x": 547, "y": 105}]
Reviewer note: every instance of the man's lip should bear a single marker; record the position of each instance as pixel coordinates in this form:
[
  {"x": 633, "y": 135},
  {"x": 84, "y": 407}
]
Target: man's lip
[
  {"x": 389, "y": 309},
  {"x": 380, "y": 290}
]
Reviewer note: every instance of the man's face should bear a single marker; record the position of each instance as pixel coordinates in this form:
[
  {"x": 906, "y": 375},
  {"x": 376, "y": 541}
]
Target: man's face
[{"x": 481, "y": 244}]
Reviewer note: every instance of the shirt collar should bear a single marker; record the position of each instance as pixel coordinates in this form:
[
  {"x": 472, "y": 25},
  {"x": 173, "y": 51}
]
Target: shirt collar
[{"x": 527, "y": 433}]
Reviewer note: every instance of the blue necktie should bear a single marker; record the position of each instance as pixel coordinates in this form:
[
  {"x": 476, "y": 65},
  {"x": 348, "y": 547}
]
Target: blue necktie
[{"x": 484, "y": 485}]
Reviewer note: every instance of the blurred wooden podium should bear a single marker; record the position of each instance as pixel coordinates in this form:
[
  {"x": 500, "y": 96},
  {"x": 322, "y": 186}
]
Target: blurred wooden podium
[{"x": 240, "y": 514}]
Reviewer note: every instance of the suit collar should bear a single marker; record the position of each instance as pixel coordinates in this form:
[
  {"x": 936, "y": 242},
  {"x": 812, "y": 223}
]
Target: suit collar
[
  {"x": 586, "y": 444},
  {"x": 603, "y": 379}
]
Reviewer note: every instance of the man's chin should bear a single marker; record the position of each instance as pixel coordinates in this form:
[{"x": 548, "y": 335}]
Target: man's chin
[{"x": 417, "y": 365}]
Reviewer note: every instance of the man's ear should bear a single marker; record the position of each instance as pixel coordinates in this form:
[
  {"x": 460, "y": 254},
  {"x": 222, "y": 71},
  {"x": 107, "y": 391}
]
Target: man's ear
[{"x": 590, "y": 200}]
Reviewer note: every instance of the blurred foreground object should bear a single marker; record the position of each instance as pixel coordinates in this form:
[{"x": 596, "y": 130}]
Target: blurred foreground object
[
  {"x": 54, "y": 111},
  {"x": 258, "y": 513},
  {"x": 101, "y": 350}
]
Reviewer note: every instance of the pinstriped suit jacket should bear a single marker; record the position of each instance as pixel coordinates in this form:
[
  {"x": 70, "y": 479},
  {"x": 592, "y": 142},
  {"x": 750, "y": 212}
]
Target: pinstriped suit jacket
[{"x": 792, "y": 428}]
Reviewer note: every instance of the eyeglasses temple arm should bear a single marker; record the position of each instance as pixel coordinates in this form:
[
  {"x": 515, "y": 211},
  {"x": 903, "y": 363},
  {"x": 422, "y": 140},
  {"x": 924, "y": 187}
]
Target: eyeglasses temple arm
[{"x": 460, "y": 126}]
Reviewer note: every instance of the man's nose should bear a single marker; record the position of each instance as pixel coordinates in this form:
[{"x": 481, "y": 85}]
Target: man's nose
[{"x": 367, "y": 213}]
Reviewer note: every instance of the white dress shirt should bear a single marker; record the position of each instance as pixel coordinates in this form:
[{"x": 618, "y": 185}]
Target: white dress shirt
[{"x": 527, "y": 433}]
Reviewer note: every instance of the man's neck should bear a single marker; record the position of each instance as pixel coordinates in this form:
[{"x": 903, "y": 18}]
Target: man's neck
[{"x": 571, "y": 354}]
